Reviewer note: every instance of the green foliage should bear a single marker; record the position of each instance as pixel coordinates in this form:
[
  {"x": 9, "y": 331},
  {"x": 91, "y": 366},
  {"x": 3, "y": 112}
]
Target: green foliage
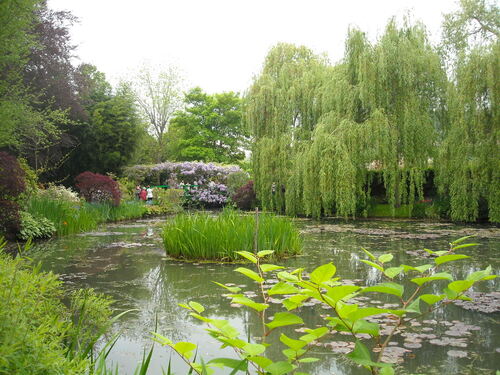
[
  {"x": 236, "y": 180},
  {"x": 209, "y": 129},
  {"x": 36, "y": 329},
  {"x": 376, "y": 110},
  {"x": 35, "y": 227},
  {"x": 203, "y": 236},
  {"x": 343, "y": 313},
  {"x": 69, "y": 218},
  {"x": 170, "y": 201},
  {"x": 468, "y": 169}
]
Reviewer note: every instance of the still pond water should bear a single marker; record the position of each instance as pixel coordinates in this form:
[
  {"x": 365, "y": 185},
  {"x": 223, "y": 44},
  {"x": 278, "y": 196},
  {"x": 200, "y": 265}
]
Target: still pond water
[{"x": 127, "y": 262}]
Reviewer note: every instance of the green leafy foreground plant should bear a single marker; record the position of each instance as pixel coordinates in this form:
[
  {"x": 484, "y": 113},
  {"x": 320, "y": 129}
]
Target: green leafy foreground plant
[{"x": 322, "y": 286}]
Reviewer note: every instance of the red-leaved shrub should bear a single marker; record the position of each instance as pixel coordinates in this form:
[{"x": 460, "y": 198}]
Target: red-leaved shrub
[
  {"x": 11, "y": 177},
  {"x": 245, "y": 198},
  {"x": 97, "y": 188}
]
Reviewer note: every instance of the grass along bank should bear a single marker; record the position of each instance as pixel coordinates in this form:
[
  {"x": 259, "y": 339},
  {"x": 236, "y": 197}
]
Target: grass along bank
[{"x": 203, "y": 236}]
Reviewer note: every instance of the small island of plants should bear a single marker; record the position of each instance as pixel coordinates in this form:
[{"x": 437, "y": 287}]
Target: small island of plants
[{"x": 207, "y": 237}]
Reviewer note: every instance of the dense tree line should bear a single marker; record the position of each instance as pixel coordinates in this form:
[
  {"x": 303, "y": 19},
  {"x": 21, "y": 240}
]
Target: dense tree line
[{"x": 399, "y": 106}]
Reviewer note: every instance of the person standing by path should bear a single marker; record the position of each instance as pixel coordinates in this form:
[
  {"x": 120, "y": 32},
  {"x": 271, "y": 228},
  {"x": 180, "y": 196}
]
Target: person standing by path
[{"x": 149, "y": 195}]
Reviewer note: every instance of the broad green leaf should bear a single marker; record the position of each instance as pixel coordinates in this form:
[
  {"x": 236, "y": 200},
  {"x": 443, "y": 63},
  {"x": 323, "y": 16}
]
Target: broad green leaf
[
  {"x": 387, "y": 288},
  {"x": 226, "y": 328},
  {"x": 367, "y": 311},
  {"x": 384, "y": 258},
  {"x": 282, "y": 319},
  {"x": 293, "y": 354},
  {"x": 162, "y": 340},
  {"x": 360, "y": 354},
  {"x": 337, "y": 293},
  {"x": 461, "y": 239},
  {"x": 248, "y": 255},
  {"x": 480, "y": 275},
  {"x": 242, "y": 300},
  {"x": 286, "y": 276},
  {"x": 308, "y": 360},
  {"x": 239, "y": 364},
  {"x": 323, "y": 273},
  {"x": 196, "y": 307},
  {"x": 449, "y": 258},
  {"x": 431, "y": 299},
  {"x": 393, "y": 271},
  {"x": 260, "y": 361},
  {"x": 185, "y": 348},
  {"x": 363, "y": 326},
  {"x": 339, "y": 324},
  {"x": 314, "y": 334},
  {"x": 254, "y": 349},
  {"x": 264, "y": 253},
  {"x": 423, "y": 268},
  {"x": 344, "y": 310},
  {"x": 235, "y": 343},
  {"x": 464, "y": 245},
  {"x": 269, "y": 267},
  {"x": 414, "y": 306},
  {"x": 282, "y": 288},
  {"x": 460, "y": 286},
  {"x": 374, "y": 265},
  {"x": 372, "y": 257},
  {"x": 200, "y": 317},
  {"x": 437, "y": 276},
  {"x": 250, "y": 274},
  {"x": 291, "y": 343},
  {"x": 279, "y": 368},
  {"x": 294, "y": 302},
  {"x": 232, "y": 289},
  {"x": 184, "y": 306}
]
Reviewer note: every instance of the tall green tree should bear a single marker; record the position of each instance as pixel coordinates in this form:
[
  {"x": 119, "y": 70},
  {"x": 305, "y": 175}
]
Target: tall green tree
[
  {"x": 209, "y": 128},
  {"x": 468, "y": 167}
]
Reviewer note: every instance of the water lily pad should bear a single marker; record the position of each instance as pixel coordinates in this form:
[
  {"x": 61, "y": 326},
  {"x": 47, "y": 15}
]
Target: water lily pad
[{"x": 457, "y": 354}]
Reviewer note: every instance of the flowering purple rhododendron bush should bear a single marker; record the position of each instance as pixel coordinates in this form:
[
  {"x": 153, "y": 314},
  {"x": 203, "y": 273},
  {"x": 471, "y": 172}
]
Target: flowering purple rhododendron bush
[{"x": 204, "y": 183}]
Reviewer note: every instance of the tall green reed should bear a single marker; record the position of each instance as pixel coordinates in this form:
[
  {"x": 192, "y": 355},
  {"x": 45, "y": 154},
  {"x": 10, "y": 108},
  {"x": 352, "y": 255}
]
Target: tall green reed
[
  {"x": 69, "y": 218},
  {"x": 203, "y": 236}
]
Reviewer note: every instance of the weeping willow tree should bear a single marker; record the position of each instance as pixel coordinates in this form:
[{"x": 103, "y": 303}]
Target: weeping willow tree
[
  {"x": 282, "y": 110},
  {"x": 320, "y": 130},
  {"x": 376, "y": 110},
  {"x": 468, "y": 168}
]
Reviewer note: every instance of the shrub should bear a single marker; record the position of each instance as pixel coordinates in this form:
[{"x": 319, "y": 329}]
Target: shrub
[
  {"x": 35, "y": 227},
  {"x": 97, "y": 188},
  {"x": 201, "y": 236},
  {"x": 213, "y": 195},
  {"x": 11, "y": 177},
  {"x": 59, "y": 193},
  {"x": 37, "y": 334},
  {"x": 245, "y": 198},
  {"x": 236, "y": 180},
  {"x": 169, "y": 200}
]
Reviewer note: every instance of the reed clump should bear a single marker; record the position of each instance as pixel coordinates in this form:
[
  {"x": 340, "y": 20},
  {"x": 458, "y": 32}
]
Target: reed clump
[{"x": 207, "y": 237}]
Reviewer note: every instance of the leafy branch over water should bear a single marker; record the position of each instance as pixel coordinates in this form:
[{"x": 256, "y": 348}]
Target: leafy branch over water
[{"x": 343, "y": 314}]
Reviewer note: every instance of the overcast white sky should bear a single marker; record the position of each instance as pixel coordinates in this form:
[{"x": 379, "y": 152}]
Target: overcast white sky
[{"x": 221, "y": 44}]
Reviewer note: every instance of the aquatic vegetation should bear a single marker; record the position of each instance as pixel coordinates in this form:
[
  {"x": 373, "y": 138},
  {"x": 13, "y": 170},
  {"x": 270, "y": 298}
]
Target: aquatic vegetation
[
  {"x": 69, "y": 218},
  {"x": 204, "y": 236},
  {"x": 368, "y": 339}
]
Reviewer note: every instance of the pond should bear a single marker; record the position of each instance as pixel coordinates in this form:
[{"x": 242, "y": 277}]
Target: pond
[{"x": 127, "y": 262}]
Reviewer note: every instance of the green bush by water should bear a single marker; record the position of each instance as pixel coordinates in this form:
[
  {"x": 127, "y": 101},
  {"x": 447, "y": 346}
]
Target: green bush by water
[
  {"x": 203, "y": 236},
  {"x": 38, "y": 334}
]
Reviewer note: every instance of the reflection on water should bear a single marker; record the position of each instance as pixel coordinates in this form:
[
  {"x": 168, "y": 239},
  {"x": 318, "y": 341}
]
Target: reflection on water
[{"x": 127, "y": 262}]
